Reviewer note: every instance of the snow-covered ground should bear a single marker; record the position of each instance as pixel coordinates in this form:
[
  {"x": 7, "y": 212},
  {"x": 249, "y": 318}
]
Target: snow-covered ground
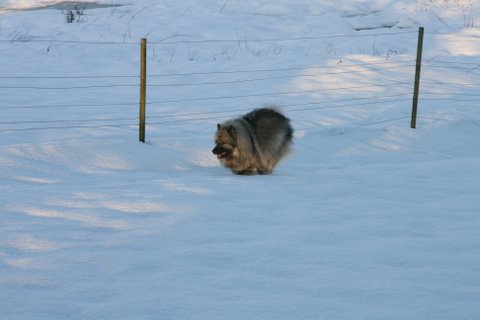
[{"x": 367, "y": 219}]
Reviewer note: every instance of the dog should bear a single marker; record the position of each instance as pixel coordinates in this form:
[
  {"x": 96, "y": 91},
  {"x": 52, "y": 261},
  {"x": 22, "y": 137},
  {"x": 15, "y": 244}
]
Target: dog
[{"x": 253, "y": 144}]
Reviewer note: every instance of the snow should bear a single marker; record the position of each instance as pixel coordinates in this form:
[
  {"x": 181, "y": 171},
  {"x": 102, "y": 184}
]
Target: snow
[{"x": 367, "y": 219}]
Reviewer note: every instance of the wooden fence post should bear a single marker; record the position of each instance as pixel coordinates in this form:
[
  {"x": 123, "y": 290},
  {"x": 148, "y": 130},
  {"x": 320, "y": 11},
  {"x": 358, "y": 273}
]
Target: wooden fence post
[
  {"x": 143, "y": 88},
  {"x": 417, "y": 78}
]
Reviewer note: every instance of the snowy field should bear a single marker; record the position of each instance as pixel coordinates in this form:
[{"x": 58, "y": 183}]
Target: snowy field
[{"x": 366, "y": 219}]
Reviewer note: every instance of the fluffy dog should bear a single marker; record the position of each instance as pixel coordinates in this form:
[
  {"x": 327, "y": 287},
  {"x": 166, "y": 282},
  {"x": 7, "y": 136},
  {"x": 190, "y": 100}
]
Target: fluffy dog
[{"x": 254, "y": 143}]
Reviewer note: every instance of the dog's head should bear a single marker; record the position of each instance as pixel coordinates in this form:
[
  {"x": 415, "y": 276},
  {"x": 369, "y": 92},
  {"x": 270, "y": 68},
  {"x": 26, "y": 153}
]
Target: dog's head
[{"x": 225, "y": 141}]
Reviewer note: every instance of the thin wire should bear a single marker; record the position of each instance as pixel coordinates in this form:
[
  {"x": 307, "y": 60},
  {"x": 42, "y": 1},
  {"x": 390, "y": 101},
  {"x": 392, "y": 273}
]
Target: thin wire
[
  {"x": 452, "y": 67},
  {"x": 286, "y": 106},
  {"x": 279, "y": 69},
  {"x": 68, "y": 41},
  {"x": 206, "y": 115},
  {"x": 64, "y": 121},
  {"x": 193, "y": 84},
  {"x": 293, "y": 110},
  {"x": 72, "y": 106},
  {"x": 435, "y": 83},
  {"x": 452, "y": 62},
  {"x": 279, "y": 39},
  {"x": 68, "y": 127},
  {"x": 194, "y": 113},
  {"x": 384, "y": 121},
  {"x": 219, "y": 72},
  {"x": 443, "y": 34},
  {"x": 278, "y": 93},
  {"x": 70, "y": 88},
  {"x": 345, "y": 106},
  {"x": 271, "y": 78},
  {"x": 169, "y": 42},
  {"x": 68, "y": 77},
  {"x": 161, "y": 85},
  {"x": 450, "y": 94},
  {"x": 212, "y": 117},
  {"x": 448, "y": 99}
]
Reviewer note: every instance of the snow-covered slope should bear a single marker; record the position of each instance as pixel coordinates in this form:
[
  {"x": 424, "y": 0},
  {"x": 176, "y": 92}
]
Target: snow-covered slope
[{"x": 367, "y": 219}]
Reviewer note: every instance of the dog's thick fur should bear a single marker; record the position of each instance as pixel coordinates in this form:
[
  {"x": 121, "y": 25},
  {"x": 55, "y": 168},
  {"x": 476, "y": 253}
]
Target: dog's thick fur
[{"x": 254, "y": 143}]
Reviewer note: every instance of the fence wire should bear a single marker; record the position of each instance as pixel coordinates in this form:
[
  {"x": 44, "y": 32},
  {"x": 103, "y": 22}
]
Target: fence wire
[
  {"x": 431, "y": 89},
  {"x": 168, "y": 41}
]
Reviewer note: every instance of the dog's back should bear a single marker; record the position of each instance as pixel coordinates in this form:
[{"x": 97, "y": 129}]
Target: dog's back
[
  {"x": 273, "y": 135},
  {"x": 272, "y": 131}
]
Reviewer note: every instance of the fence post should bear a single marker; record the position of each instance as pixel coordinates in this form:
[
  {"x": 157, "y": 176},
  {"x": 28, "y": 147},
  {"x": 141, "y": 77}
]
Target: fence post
[
  {"x": 417, "y": 78},
  {"x": 143, "y": 88}
]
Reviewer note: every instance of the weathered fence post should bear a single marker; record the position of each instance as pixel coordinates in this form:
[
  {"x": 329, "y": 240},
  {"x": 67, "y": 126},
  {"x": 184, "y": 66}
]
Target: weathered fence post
[
  {"x": 143, "y": 88},
  {"x": 417, "y": 78}
]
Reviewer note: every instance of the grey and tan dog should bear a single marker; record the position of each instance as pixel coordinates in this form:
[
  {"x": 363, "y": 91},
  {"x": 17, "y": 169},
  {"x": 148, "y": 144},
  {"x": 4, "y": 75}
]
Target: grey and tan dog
[{"x": 254, "y": 143}]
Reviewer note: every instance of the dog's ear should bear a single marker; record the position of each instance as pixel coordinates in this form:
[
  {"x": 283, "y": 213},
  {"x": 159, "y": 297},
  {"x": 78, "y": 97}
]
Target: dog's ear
[
  {"x": 232, "y": 131},
  {"x": 218, "y": 126}
]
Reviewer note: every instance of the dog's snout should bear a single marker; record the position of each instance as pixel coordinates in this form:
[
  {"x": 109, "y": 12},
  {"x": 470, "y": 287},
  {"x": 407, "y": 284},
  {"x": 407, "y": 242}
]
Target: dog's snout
[{"x": 216, "y": 150}]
